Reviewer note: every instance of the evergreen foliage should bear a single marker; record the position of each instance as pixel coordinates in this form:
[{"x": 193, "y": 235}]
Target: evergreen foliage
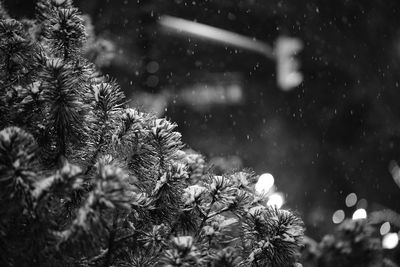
[
  {"x": 354, "y": 243},
  {"x": 87, "y": 181}
]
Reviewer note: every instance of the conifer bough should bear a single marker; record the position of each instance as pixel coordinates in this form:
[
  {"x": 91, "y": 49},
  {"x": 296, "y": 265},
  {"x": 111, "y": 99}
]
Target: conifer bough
[{"x": 87, "y": 181}]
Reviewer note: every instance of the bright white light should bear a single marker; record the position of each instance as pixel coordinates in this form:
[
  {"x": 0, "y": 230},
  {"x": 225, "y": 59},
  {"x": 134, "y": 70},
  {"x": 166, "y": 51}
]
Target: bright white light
[
  {"x": 338, "y": 216},
  {"x": 276, "y": 199},
  {"x": 390, "y": 240},
  {"x": 287, "y": 65},
  {"x": 264, "y": 183},
  {"x": 385, "y": 228},
  {"x": 351, "y": 200},
  {"x": 196, "y": 29},
  {"x": 290, "y": 80},
  {"x": 360, "y": 214}
]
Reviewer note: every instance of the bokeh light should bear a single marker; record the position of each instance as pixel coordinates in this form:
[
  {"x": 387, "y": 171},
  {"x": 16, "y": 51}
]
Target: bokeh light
[
  {"x": 390, "y": 240},
  {"x": 385, "y": 228},
  {"x": 338, "y": 216},
  {"x": 362, "y": 204},
  {"x": 276, "y": 199},
  {"x": 351, "y": 199},
  {"x": 264, "y": 183},
  {"x": 360, "y": 214}
]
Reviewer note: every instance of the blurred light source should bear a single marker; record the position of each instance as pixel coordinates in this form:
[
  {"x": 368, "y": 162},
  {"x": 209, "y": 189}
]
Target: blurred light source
[
  {"x": 152, "y": 67},
  {"x": 152, "y": 81},
  {"x": 196, "y": 29},
  {"x": 288, "y": 75},
  {"x": 285, "y": 51},
  {"x": 224, "y": 88},
  {"x": 360, "y": 214},
  {"x": 385, "y": 228},
  {"x": 395, "y": 171},
  {"x": 264, "y": 183},
  {"x": 351, "y": 200},
  {"x": 276, "y": 199},
  {"x": 362, "y": 204},
  {"x": 338, "y": 216},
  {"x": 390, "y": 240}
]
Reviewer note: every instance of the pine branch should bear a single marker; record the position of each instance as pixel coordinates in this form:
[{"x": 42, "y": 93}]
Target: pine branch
[
  {"x": 167, "y": 193},
  {"x": 108, "y": 106},
  {"x": 111, "y": 240},
  {"x": 17, "y": 152},
  {"x": 17, "y": 64},
  {"x": 275, "y": 236},
  {"x": 66, "y": 179},
  {"x": 46, "y": 8},
  {"x": 63, "y": 28},
  {"x": 64, "y": 109},
  {"x": 165, "y": 141}
]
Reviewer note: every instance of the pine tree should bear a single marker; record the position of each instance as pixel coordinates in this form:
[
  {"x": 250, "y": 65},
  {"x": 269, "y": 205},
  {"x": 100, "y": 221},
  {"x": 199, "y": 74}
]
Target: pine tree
[{"x": 87, "y": 181}]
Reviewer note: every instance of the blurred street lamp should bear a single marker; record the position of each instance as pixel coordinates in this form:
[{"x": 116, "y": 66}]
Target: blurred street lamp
[
  {"x": 285, "y": 51},
  {"x": 288, "y": 76}
]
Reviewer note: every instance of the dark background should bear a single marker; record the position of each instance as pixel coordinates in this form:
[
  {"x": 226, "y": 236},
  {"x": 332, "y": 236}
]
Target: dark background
[{"x": 334, "y": 134}]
